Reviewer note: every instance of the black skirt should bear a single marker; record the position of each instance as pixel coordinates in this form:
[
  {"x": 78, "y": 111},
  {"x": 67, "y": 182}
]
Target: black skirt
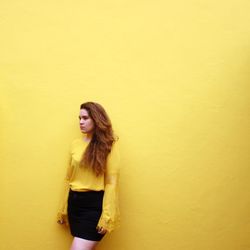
[{"x": 84, "y": 211}]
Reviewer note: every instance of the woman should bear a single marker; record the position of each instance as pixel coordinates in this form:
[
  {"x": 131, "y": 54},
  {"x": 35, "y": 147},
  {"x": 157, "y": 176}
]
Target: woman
[{"x": 90, "y": 204}]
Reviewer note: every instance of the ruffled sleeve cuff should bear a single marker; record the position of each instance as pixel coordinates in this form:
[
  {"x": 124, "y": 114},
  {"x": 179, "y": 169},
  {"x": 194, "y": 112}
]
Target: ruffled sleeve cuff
[
  {"x": 108, "y": 223},
  {"x": 61, "y": 217}
]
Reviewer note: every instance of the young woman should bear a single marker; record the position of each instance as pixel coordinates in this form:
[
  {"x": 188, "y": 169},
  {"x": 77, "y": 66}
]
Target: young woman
[{"x": 90, "y": 204}]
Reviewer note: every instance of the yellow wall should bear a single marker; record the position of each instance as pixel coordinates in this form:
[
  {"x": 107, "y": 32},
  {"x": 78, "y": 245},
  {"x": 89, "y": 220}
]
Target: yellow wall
[{"x": 174, "y": 77}]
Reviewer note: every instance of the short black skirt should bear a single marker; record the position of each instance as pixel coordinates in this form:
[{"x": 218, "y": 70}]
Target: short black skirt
[{"x": 84, "y": 211}]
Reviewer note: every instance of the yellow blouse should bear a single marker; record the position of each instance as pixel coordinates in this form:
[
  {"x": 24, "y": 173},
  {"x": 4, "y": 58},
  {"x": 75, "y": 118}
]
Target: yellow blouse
[{"x": 83, "y": 179}]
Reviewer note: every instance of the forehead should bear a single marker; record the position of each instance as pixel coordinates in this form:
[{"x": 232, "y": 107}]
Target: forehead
[{"x": 83, "y": 112}]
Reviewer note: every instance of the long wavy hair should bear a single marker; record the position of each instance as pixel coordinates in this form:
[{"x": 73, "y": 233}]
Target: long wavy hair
[{"x": 98, "y": 149}]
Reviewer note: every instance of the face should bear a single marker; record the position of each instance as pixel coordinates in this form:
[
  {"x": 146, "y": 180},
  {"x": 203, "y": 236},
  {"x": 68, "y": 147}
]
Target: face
[{"x": 86, "y": 122}]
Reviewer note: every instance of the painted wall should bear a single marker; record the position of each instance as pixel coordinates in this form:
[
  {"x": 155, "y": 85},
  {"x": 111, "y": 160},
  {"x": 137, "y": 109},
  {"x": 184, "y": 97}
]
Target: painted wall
[{"x": 174, "y": 77}]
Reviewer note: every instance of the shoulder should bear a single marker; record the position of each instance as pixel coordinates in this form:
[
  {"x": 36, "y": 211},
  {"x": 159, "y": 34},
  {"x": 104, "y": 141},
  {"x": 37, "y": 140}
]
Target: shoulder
[
  {"x": 115, "y": 147},
  {"x": 75, "y": 143},
  {"x": 76, "y": 140},
  {"x": 114, "y": 155}
]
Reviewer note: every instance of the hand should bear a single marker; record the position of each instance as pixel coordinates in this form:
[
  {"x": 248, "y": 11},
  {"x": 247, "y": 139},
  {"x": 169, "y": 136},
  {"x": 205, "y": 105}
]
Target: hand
[
  {"x": 101, "y": 230},
  {"x": 61, "y": 221}
]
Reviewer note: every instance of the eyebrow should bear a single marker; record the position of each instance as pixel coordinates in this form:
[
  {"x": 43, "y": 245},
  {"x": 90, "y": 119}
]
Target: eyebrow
[{"x": 84, "y": 116}]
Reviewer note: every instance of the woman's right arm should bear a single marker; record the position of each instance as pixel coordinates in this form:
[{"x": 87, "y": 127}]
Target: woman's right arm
[{"x": 62, "y": 215}]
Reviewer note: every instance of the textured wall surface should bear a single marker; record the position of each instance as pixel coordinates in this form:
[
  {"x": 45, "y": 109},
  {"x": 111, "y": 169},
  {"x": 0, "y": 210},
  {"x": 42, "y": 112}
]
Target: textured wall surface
[{"x": 174, "y": 77}]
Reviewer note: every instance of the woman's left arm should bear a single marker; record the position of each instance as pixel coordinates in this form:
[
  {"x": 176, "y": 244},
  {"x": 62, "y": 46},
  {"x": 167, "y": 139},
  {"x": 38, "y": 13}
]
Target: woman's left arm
[{"x": 110, "y": 217}]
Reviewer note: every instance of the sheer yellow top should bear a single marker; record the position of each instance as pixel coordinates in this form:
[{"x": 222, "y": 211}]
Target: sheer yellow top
[{"x": 83, "y": 179}]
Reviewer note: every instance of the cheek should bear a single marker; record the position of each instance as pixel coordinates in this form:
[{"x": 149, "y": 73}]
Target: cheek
[{"x": 92, "y": 124}]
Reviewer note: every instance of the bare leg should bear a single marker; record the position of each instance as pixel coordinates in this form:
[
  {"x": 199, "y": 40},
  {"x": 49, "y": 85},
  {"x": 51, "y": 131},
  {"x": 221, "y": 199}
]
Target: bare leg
[{"x": 81, "y": 244}]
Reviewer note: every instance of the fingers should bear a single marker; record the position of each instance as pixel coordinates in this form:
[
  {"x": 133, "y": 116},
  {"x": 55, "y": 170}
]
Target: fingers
[
  {"x": 61, "y": 222},
  {"x": 101, "y": 230}
]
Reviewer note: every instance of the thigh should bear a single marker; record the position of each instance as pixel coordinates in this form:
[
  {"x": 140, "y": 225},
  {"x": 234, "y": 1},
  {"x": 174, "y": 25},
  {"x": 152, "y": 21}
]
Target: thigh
[{"x": 82, "y": 244}]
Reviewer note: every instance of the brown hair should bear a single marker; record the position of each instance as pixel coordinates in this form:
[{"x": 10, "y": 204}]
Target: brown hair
[{"x": 96, "y": 153}]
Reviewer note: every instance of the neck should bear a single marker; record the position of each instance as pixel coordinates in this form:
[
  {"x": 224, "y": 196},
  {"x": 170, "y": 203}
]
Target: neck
[{"x": 87, "y": 137}]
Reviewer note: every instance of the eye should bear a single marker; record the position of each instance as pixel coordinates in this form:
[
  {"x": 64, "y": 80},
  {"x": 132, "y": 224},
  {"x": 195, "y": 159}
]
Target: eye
[{"x": 84, "y": 117}]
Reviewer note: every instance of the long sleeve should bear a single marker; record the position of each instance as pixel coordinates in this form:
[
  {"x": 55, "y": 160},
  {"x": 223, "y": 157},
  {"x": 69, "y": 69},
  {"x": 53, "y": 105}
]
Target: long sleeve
[
  {"x": 110, "y": 217},
  {"x": 62, "y": 213}
]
